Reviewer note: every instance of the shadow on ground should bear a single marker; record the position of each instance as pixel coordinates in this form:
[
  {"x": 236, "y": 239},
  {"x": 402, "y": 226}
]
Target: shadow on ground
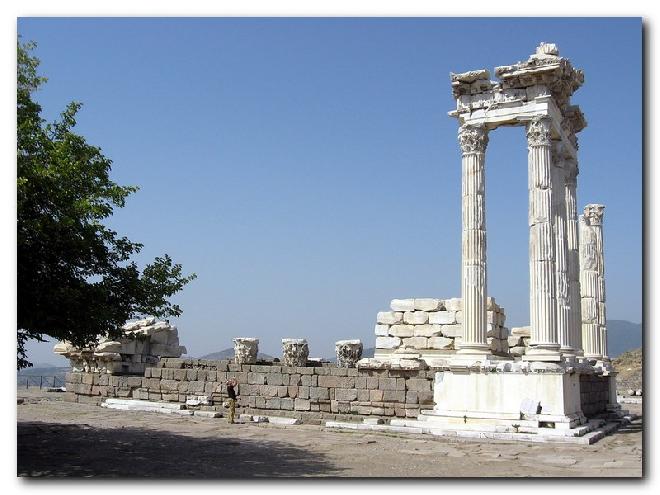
[{"x": 61, "y": 450}]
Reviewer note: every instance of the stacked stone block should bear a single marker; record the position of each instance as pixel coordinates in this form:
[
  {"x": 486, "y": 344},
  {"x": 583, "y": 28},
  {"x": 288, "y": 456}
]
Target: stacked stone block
[
  {"x": 141, "y": 344},
  {"x": 594, "y": 394},
  {"x": 519, "y": 341},
  {"x": 298, "y": 391},
  {"x": 423, "y": 324}
]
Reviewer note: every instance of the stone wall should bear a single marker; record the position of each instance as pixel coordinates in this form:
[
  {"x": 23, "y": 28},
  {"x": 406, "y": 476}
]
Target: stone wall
[
  {"x": 309, "y": 392},
  {"x": 433, "y": 329},
  {"x": 594, "y": 394}
]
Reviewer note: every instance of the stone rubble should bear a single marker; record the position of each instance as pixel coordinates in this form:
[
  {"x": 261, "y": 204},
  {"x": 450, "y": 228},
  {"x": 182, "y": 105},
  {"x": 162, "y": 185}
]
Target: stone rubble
[{"x": 142, "y": 343}]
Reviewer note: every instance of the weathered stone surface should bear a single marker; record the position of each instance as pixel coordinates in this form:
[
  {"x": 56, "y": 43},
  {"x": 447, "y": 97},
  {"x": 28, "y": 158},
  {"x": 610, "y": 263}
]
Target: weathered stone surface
[
  {"x": 382, "y": 330},
  {"x": 440, "y": 343},
  {"x": 521, "y": 331},
  {"x": 415, "y": 317},
  {"x": 452, "y": 330},
  {"x": 132, "y": 353},
  {"x": 427, "y": 304},
  {"x": 348, "y": 352},
  {"x": 402, "y": 304},
  {"x": 402, "y": 331},
  {"x": 387, "y": 342},
  {"x": 454, "y": 304},
  {"x": 245, "y": 350},
  {"x": 294, "y": 352},
  {"x": 389, "y": 317},
  {"x": 427, "y": 330},
  {"x": 442, "y": 318},
  {"x": 415, "y": 342}
]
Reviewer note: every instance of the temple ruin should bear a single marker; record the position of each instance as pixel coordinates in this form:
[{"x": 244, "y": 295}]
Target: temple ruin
[{"x": 441, "y": 366}]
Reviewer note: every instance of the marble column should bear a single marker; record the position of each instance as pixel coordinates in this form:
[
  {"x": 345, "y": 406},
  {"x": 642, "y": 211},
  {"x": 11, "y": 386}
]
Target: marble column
[
  {"x": 596, "y": 213},
  {"x": 544, "y": 343},
  {"x": 575, "y": 312},
  {"x": 473, "y": 141},
  {"x": 590, "y": 280},
  {"x": 559, "y": 223}
]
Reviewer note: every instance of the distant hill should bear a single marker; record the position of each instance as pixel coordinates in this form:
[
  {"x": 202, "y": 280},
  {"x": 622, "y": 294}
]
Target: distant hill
[
  {"x": 622, "y": 336},
  {"x": 44, "y": 370},
  {"x": 629, "y": 366},
  {"x": 229, "y": 354}
]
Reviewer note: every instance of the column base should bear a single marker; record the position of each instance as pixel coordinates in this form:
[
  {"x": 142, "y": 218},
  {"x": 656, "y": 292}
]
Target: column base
[{"x": 473, "y": 349}]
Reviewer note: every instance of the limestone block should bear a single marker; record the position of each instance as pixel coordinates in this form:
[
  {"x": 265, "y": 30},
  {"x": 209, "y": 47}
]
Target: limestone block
[
  {"x": 402, "y": 331},
  {"x": 454, "y": 304},
  {"x": 402, "y": 304},
  {"x": 515, "y": 341},
  {"x": 294, "y": 352},
  {"x": 415, "y": 342},
  {"x": 389, "y": 317},
  {"x": 245, "y": 350},
  {"x": 459, "y": 316},
  {"x": 382, "y": 330},
  {"x": 345, "y": 394},
  {"x": 427, "y": 304},
  {"x": 440, "y": 343},
  {"x": 517, "y": 350},
  {"x": 522, "y": 331},
  {"x": 442, "y": 317},
  {"x": 452, "y": 330},
  {"x": 348, "y": 353},
  {"x": 415, "y": 317},
  {"x": 302, "y": 404},
  {"x": 427, "y": 330},
  {"x": 495, "y": 331},
  {"x": 491, "y": 304},
  {"x": 109, "y": 346}
]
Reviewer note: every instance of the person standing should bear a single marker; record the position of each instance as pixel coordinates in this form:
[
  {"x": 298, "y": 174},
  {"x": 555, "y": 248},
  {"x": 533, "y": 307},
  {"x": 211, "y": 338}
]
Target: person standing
[{"x": 231, "y": 392}]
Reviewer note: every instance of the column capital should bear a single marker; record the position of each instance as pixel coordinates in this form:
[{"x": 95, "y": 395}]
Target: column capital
[
  {"x": 473, "y": 139},
  {"x": 593, "y": 214},
  {"x": 538, "y": 131}
]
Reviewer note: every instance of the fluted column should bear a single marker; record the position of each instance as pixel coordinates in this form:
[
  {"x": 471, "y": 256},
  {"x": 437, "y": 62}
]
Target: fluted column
[
  {"x": 575, "y": 314},
  {"x": 544, "y": 344},
  {"x": 590, "y": 280},
  {"x": 473, "y": 141},
  {"x": 596, "y": 212},
  {"x": 561, "y": 250}
]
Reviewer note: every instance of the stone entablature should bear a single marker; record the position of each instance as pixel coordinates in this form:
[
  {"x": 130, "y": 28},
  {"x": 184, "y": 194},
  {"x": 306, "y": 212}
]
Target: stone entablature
[{"x": 142, "y": 343}]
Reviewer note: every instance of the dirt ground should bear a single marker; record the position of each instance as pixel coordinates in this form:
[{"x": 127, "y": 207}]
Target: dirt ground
[{"x": 57, "y": 438}]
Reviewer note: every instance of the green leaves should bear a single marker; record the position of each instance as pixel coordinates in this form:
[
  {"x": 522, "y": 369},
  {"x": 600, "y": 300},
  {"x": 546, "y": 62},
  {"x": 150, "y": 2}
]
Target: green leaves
[{"x": 75, "y": 278}]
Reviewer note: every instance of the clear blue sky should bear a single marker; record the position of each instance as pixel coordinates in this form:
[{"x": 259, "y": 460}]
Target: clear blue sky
[{"x": 307, "y": 171}]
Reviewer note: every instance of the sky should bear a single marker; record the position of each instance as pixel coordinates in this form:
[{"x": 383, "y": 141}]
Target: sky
[{"x": 307, "y": 171}]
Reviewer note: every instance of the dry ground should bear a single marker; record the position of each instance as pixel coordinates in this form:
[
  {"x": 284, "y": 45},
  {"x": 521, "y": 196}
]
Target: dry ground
[{"x": 57, "y": 438}]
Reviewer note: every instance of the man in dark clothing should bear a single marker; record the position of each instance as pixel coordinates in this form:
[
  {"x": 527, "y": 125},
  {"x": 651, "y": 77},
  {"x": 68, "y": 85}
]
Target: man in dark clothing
[{"x": 231, "y": 392}]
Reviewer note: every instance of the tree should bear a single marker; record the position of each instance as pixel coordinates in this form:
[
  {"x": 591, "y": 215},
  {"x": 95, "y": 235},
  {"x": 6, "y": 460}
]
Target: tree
[{"x": 76, "y": 281}]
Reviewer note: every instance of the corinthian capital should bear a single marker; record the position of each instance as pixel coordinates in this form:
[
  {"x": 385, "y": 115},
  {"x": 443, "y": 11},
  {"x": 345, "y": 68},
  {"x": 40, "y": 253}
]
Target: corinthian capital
[
  {"x": 473, "y": 139},
  {"x": 538, "y": 132},
  {"x": 593, "y": 214}
]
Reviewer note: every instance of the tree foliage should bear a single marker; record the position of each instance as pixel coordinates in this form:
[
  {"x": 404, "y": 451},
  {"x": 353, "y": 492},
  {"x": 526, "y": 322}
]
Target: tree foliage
[{"x": 76, "y": 281}]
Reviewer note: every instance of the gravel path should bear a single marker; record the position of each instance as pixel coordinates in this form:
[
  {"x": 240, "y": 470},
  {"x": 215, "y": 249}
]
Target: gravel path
[{"x": 57, "y": 438}]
